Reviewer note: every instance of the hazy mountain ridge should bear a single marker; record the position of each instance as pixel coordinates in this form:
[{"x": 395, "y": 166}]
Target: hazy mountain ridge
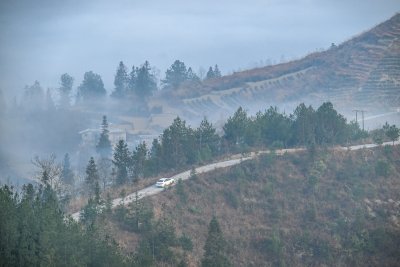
[{"x": 363, "y": 71}]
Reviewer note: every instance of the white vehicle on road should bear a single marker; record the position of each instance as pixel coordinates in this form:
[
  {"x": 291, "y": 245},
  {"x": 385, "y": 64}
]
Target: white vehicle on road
[{"x": 165, "y": 182}]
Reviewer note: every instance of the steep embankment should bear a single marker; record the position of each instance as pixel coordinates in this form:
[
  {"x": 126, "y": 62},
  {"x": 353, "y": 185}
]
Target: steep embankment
[
  {"x": 362, "y": 72},
  {"x": 328, "y": 208}
]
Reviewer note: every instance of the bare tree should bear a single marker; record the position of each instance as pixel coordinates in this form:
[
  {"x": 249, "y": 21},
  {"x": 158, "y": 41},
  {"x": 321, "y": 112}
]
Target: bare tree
[{"x": 49, "y": 171}]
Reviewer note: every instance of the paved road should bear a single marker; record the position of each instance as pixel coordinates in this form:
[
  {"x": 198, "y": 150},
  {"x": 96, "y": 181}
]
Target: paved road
[{"x": 153, "y": 190}]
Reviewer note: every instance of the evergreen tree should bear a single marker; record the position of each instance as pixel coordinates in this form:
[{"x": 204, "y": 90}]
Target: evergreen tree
[
  {"x": 235, "y": 128},
  {"x": 132, "y": 80},
  {"x": 65, "y": 90},
  {"x": 92, "y": 177},
  {"x": 304, "y": 125},
  {"x": 155, "y": 161},
  {"x": 217, "y": 72},
  {"x": 33, "y": 97},
  {"x": 392, "y": 132},
  {"x": 207, "y": 139},
  {"x": 121, "y": 161},
  {"x": 178, "y": 145},
  {"x": 215, "y": 247},
  {"x": 67, "y": 176},
  {"x": 210, "y": 73},
  {"x": 92, "y": 87},
  {"x": 275, "y": 127},
  {"x": 145, "y": 81},
  {"x": 120, "y": 81},
  {"x": 191, "y": 76},
  {"x": 104, "y": 145},
  {"x": 175, "y": 75},
  {"x": 139, "y": 157},
  {"x": 331, "y": 126}
]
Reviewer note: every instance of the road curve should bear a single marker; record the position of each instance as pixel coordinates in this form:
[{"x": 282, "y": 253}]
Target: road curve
[{"x": 153, "y": 190}]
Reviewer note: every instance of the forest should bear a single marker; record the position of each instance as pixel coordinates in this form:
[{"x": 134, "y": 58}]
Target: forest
[{"x": 35, "y": 229}]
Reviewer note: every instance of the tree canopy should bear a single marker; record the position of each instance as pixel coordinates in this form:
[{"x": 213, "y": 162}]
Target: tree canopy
[{"x": 92, "y": 87}]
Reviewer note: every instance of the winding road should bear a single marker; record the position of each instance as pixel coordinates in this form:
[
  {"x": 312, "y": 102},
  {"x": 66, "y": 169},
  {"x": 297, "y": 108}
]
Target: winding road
[{"x": 236, "y": 159}]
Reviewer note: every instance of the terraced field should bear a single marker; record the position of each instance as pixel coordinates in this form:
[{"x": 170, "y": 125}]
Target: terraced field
[{"x": 363, "y": 71}]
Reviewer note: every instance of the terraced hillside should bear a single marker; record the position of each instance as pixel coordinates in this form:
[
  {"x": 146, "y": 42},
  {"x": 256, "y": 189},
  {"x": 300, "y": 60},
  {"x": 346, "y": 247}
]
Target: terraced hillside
[{"x": 361, "y": 72}]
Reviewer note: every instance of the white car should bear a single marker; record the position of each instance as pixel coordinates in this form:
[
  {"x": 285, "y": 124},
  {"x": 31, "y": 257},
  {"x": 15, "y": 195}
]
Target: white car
[{"x": 165, "y": 182}]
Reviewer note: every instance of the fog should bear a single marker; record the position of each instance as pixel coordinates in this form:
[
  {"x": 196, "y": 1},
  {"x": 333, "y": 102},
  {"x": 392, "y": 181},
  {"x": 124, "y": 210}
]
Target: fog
[
  {"x": 43, "y": 39},
  {"x": 40, "y": 40}
]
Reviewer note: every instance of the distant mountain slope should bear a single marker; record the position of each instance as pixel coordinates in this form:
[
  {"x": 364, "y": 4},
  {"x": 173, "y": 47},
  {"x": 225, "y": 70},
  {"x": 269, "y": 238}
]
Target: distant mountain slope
[{"x": 362, "y": 72}]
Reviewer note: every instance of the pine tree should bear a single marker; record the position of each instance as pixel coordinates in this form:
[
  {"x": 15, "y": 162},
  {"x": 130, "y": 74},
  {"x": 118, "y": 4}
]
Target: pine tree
[
  {"x": 92, "y": 87},
  {"x": 104, "y": 146},
  {"x": 235, "y": 128},
  {"x": 207, "y": 138},
  {"x": 217, "y": 72},
  {"x": 139, "y": 157},
  {"x": 132, "y": 80},
  {"x": 33, "y": 97},
  {"x": 121, "y": 161},
  {"x": 65, "y": 90},
  {"x": 145, "y": 81},
  {"x": 175, "y": 75},
  {"x": 67, "y": 176},
  {"x": 215, "y": 247},
  {"x": 191, "y": 76},
  {"x": 120, "y": 81},
  {"x": 155, "y": 162},
  {"x": 92, "y": 177},
  {"x": 392, "y": 132},
  {"x": 210, "y": 74}
]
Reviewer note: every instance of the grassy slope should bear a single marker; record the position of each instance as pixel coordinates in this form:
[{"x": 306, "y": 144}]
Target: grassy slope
[{"x": 297, "y": 211}]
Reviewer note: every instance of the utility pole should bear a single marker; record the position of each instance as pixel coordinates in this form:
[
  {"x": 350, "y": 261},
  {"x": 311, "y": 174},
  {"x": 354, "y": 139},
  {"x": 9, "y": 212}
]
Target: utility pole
[{"x": 362, "y": 116}]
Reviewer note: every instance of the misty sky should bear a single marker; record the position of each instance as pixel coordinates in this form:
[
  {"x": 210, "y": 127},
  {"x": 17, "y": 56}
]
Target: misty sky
[{"x": 40, "y": 40}]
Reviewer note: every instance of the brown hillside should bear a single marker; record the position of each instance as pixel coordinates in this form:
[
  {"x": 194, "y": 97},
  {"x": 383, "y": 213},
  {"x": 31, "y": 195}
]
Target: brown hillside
[
  {"x": 336, "y": 209},
  {"x": 364, "y": 71}
]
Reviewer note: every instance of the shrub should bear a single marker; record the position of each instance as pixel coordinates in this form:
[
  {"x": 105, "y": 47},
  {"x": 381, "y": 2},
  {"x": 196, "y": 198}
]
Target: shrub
[
  {"x": 231, "y": 199},
  {"x": 382, "y": 168},
  {"x": 185, "y": 242}
]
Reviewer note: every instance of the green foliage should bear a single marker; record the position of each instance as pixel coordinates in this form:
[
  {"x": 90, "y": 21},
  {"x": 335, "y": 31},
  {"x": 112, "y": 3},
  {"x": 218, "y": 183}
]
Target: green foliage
[
  {"x": 304, "y": 125},
  {"x": 67, "y": 176},
  {"x": 145, "y": 83},
  {"x": 67, "y": 82},
  {"x": 34, "y": 232},
  {"x": 331, "y": 126},
  {"x": 175, "y": 75},
  {"x": 120, "y": 81},
  {"x": 231, "y": 199},
  {"x": 178, "y": 145},
  {"x": 215, "y": 247},
  {"x": 185, "y": 242},
  {"x": 273, "y": 247},
  {"x": 382, "y": 168},
  {"x": 92, "y": 87},
  {"x": 378, "y": 136},
  {"x": 92, "y": 177},
  {"x": 392, "y": 132},
  {"x": 180, "y": 191},
  {"x": 235, "y": 128},
  {"x": 213, "y": 73},
  {"x": 103, "y": 147},
  {"x": 121, "y": 161},
  {"x": 138, "y": 161}
]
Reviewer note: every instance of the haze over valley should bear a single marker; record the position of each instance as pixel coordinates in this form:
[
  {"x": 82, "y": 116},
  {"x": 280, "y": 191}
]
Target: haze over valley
[{"x": 274, "y": 125}]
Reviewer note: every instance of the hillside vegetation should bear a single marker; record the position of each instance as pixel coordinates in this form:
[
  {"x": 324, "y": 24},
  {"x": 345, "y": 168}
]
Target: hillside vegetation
[
  {"x": 363, "y": 71},
  {"x": 308, "y": 209}
]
